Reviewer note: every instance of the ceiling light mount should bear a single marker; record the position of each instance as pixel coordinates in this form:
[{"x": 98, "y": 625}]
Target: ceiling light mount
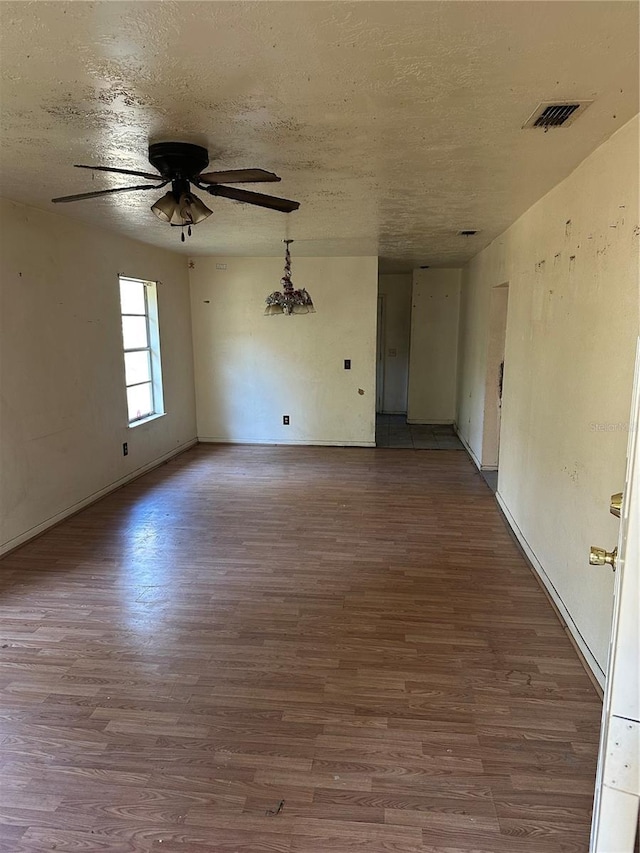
[{"x": 178, "y": 159}]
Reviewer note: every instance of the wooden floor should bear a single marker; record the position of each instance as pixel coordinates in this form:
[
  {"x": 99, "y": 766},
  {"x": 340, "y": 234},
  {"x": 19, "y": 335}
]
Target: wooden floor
[{"x": 293, "y": 650}]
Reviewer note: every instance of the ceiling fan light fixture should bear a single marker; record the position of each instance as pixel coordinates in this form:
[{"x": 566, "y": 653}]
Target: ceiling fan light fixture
[{"x": 181, "y": 211}]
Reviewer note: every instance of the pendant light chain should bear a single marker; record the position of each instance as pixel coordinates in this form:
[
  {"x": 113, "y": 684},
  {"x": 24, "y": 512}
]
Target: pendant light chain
[{"x": 286, "y": 278}]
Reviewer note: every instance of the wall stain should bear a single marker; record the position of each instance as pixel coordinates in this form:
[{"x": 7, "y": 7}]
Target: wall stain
[{"x": 572, "y": 474}]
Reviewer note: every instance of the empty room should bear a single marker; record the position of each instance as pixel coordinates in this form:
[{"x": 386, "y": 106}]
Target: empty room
[{"x": 319, "y": 393}]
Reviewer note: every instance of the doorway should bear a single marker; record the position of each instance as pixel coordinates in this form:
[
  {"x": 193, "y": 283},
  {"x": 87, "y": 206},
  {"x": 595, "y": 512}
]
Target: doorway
[
  {"x": 380, "y": 356},
  {"x": 494, "y": 382}
]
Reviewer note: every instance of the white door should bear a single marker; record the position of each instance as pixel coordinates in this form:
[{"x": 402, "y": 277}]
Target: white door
[{"x": 615, "y": 808}]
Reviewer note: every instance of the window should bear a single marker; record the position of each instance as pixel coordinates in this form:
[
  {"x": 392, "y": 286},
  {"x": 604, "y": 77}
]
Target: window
[{"x": 141, "y": 340}]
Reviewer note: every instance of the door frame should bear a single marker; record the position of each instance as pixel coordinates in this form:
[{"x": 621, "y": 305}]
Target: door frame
[
  {"x": 380, "y": 352},
  {"x": 495, "y": 356},
  {"x": 617, "y": 791}
]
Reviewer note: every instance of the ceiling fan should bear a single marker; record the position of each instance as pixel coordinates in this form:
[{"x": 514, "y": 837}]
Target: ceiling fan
[{"x": 181, "y": 164}]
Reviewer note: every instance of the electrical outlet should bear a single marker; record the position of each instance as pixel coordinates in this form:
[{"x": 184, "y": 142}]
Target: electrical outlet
[
  {"x": 125, "y": 449},
  {"x": 347, "y": 364},
  {"x": 285, "y": 420}
]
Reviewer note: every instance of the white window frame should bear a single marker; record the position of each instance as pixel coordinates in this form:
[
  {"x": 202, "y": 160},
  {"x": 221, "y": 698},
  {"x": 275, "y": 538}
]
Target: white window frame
[{"x": 153, "y": 348}]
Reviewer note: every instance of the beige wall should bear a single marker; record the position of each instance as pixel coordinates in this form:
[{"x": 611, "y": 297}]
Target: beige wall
[
  {"x": 572, "y": 266},
  {"x": 251, "y": 370},
  {"x": 63, "y": 415},
  {"x": 396, "y": 290},
  {"x": 433, "y": 357}
]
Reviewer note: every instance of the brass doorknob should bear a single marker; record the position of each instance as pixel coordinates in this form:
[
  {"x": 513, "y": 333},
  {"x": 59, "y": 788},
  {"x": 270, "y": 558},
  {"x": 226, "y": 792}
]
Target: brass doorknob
[{"x": 600, "y": 557}]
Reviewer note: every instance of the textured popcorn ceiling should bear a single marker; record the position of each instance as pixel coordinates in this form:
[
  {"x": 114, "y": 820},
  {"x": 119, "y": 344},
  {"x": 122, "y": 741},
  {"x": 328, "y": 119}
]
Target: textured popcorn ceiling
[{"x": 394, "y": 124}]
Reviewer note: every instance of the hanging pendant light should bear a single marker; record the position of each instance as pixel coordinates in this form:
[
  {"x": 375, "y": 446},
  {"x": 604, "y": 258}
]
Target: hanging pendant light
[{"x": 289, "y": 300}]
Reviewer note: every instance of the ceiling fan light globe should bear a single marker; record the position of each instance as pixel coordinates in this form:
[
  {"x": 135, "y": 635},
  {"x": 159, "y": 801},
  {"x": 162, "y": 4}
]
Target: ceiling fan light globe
[
  {"x": 200, "y": 210},
  {"x": 165, "y": 208},
  {"x": 192, "y": 210},
  {"x": 177, "y": 217}
]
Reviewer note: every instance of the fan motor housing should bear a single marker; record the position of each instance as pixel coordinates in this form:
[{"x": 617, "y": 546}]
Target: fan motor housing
[{"x": 178, "y": 159}]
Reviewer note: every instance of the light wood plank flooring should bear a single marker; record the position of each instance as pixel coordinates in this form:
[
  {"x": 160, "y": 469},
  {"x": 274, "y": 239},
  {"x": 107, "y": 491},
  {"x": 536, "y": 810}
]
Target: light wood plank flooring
[{"x": 292, "y": 650}]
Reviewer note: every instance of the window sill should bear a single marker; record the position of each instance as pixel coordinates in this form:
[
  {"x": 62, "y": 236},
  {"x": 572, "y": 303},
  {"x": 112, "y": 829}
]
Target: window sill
[{"x": 146, "y": 420}]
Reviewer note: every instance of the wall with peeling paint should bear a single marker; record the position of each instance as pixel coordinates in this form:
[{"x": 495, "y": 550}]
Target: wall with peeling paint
[
  {"x": 63, "y": 413},
  {"x": 433, "y": 360},
  {"x": 571, "y": 263},
  {"x": 251, "y": 370},
  {"x": 396, "y": 290}
]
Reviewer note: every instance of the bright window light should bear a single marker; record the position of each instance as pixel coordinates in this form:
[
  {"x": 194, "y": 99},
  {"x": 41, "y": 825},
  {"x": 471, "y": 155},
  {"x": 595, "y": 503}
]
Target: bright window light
[{"x": 141, "y": 343}]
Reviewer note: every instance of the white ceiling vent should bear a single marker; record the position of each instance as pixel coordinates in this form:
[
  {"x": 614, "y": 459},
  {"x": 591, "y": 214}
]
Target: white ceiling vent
[{"x": 556, "y": 114}]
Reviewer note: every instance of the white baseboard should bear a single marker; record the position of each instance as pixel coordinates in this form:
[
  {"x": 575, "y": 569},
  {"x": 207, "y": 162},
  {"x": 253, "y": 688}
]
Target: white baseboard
[
  {"x": 92, "y": 498},
  {"x": 538, "y": 568},
  {"x": 476, "y": 461},
  {"x": 206, "y": 439},
  {"x": 469, "y": 449},
  {"x": 422, "y": 421}
]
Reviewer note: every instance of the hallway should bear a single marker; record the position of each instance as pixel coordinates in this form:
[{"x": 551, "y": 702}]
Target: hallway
[
  {"x": 394, "y": 431},
  {"x": 291, "y": 649}
]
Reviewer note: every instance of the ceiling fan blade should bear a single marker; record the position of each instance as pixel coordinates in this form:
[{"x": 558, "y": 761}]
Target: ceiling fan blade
[
  {"x": 108, "y": 192},
  {"x": 269, "y": 201},
  {"x": 119, "y": 171},
  {"x": 238, "y": 176}
]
